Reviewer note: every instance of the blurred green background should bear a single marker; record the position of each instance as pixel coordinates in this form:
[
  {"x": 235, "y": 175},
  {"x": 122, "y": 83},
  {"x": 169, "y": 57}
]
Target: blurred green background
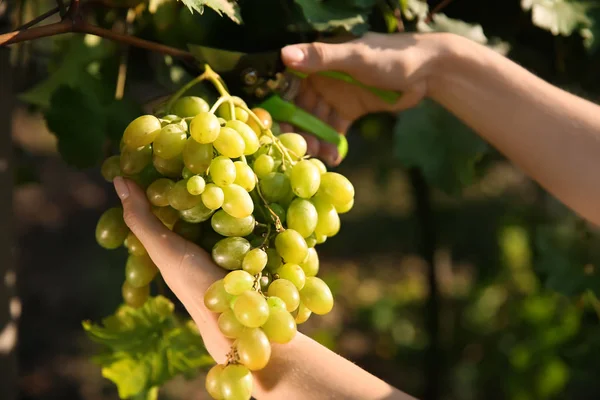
[{"x": 456, "y": 277}]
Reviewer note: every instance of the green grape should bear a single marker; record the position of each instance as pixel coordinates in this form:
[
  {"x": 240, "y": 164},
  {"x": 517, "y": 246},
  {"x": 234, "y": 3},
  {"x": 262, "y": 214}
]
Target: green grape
[
  {"x": 253, "y": 348},
  {"x": 236, "y": 383},
  {"x": 167, "y": 215},
  {"x": 293, "y": 273},
  {"x": 275, "y": 302},
  {"x": 266, "y": 121},
  {"x": 222, "y": 171},
  {"x": 244, "y": 176},
  {"x": 216, "y": 299},
  {"x": 111, "y": 168},
  {"x": 188, "y": 230},
  {"x": 135, "y": 297},
  {"x": 229, "y": 325},
  {"x": 265, "y": 280},
  {"x": 213, "y": 196},
  {"x": 291, "y": 246},
  {"x": 328, "y": 223},
  {"x": 286, "y": 291},
  {"x": 197, "y": 214},
  {"x": 310, "y": 265},
  {"x": 229, "y": 253},
  {"x": 250, "y": 139},
  {"x": 170, "y": 141},
  {"x": 205, "y": 128},
  {"x": 111, "y": 229},
  {"x": 254, "y": 261},
  {"x": 275, "y": 186},
  {"x": 158, "y": 190},
  {"x": 224, "y": 111},
  {"x": 229, "y": 143},
  {"x": 226, "y": 225},
  {"x": 186, "y": 173},
  {"x": 316, "y": 296},
  {"x": 336, "y": 189},
  {"x": 141, "y": 131},
  {"x": 134, "y": 246},
  {"x": 196, "y": 156},
  {"x": 305, "y": 179},
  {"x": 251, "y": 309},
  {"x": 179, "y": 197},
  {"x": 311, "y": 241},
  {"x": 195, "y": 185},
  {"x": 321, "y": 238},
  {"x": 295, "y": 143},
  {"x": 237, "y": 202},
  {"x": 280, "y": 326},
  {"x": 213, "y": 381},
  {"x": 345, "y": 208},
  {"x": 237, "y": 282},
  {"x": 148, "y": 175},
  {"x": 139, "y": 270},
  {"x": 189, "y": 106},
  {"x": 303, "y": 313},
  {"x": 263, "y": 165},
  {"x": 274, "y": 260},
  {"x": 169, "y": 119},
  {"x": 319, "y": 164},
  {"x": 279, "y": 211},
  {"x": 302, "y": 217},
  {"x": 133, "y": 161},
  {"x": 170, "y": 168}
]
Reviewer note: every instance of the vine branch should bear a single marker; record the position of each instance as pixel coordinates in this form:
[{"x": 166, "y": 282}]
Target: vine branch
[{"x": 439, "y": 7}]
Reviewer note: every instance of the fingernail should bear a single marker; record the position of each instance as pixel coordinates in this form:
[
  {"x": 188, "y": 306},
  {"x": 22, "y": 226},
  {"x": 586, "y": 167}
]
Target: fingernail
[
  {"x": 121, "y": 187},
  {"x": 292, "y": 54}
]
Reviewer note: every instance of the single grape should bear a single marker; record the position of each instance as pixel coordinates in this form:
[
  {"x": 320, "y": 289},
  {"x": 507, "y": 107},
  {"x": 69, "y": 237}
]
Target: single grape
[
  {"x": 266, "y": 121},
  {"x": 310, "y": 265},
  {"x": 196, "y": 156},
  {"x": 263, "y": 165},
  {"x": 275, "y": 302},
  {"x": 319, "y": 164},
  {"x": 213, "y": 196},
  {"x": 134, "y": 297},
  {"x": 236, "y": 383},
  {"x": 321, "y": 238},
  {"x": 188, "y": 230},
  {"x": 275, "y": 186},
  {"x": 291, "y": 246},
  {"x": 244, "y": 176},
  {"x": 305, "y": 179},
  {"x": 141, "y": 131},
  {"x": 189, "y": 106},
  {"x": 293, "y": 273},
  {"x": 336, "y": 189},
  {"x": 316, "y": 296},
  {"x": 226, "y": 225},
  {"x": 167, "y": 215},
  {"x": 251, "y": 309},
  {"x": 229, "y": 325},
  {"x": 279, "y": 211},
  {"x": 111, "y": 168},
  {"x": 186, "y": 173},
  {"x": 194, "y": 215},
  {"x": 158, "y": 191},
  {"x": 311, "y": 241},
  {"x": 286, "y": 291},
  {"x": 345, "y": 208},
  {"x": 216, "y": 299},
  {"x": 303, "y": 313},
  {"x": 139, "y": 270},
  {"x": 237, "y": 282},
  {"x": 170, "y": 141},
  {"x": 148, "y": 175},
  {"x": 229, "y": 253},
  {"x": 213, "y": 381},
  {"x": 302, "y": 217},
  {"x": 170, "y": 168},
  {"x": 134, "y": 246},
  {"x": 133, "y": 161},
  {"x": 111, "y": 229},
  {"x": 295, "y": 143},
  {"x": 254, "y": 261},
  {"x": 224, "y": 111},
  {"x": 280, "y": 326},
  {"x": 274, "y": 260},
  {"x": 169, "y": 119},
  {"x": 205, "y": 127},
  {"x": 195, "y": 185},
  {"x": 253, "y": 349},
  {"x": 229, "y": 143},
  {"x": 237, "y": 202},
  {"x": 265, "y": 280},
  {"x": 328, "y": 223},
  {"x": 251, "y": 143},
  {"x": 222, "y": 171},
  {"x": 179, "y": 197}
]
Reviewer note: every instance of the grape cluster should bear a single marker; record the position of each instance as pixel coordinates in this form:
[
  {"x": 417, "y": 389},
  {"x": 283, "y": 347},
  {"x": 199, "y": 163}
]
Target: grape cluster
[{"x": 220, "y": 177}]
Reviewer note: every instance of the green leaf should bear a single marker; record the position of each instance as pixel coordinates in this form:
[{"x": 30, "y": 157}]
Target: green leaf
[
  {"x": 432, "y": 139},
  {"x": 414, "y": 9},
  {"x": 130, "y": 376},
  {"x": 332, "y": 15},
  {"x": 227, "y": 7}
]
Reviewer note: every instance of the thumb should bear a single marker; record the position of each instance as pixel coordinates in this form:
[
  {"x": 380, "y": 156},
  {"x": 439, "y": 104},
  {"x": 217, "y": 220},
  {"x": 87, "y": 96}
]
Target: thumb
[{"x": 318, "y": 56}]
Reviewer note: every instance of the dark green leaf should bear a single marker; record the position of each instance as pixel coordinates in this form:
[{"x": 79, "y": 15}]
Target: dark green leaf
[
  {"x": 432, "y": 139},
  {"x": 328, "y": 16},
  {"x": 227, "y": 7},
  {"x": 118, "y": 114}
]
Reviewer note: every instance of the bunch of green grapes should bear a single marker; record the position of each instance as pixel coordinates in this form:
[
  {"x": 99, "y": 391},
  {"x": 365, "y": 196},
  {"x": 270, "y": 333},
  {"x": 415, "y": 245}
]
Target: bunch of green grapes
[{"x": 220, "y": 177}]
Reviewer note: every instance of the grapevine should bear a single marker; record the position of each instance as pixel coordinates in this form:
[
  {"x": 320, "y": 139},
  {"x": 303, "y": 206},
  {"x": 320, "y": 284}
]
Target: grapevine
[{"x": 255, "y": 200}]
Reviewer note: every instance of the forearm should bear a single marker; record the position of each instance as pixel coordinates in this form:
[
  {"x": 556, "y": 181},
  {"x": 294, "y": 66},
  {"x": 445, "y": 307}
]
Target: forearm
[{"x": 552, "y": 135}]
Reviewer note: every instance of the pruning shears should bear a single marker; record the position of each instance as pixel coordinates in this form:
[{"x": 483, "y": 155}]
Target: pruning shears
[{"x": 264, "y": 80}]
